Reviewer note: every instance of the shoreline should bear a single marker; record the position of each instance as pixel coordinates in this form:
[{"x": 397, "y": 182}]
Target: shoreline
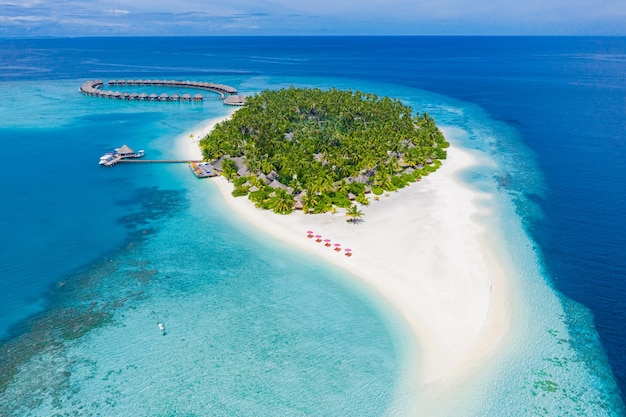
[{"x": 423, "y": 251}]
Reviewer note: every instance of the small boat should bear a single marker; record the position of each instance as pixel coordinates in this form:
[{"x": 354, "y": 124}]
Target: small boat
[
  {"x": 161, "y": 327},
  {"x": 106, "y": 158}
]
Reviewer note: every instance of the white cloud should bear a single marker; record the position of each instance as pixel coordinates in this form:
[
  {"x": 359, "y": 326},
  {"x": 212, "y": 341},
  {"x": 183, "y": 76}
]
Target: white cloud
[
  {"x": 117, "y": 12},
  {"x": 25, "y": 19}
]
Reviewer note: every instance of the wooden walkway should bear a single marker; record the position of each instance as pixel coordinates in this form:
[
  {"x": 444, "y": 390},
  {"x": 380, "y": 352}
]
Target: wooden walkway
[
  {"x": 158, "y": 161},
  {"x": 227, "y": 93},
  {"x": 119, "y": 160}
]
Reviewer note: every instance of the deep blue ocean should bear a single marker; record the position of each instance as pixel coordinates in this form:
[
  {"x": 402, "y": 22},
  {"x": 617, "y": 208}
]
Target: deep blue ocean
[{"x": 90, "y": 255}]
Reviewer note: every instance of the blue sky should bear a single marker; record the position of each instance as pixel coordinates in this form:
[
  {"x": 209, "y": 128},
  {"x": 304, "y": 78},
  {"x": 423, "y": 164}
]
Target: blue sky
[{"x": 314, "y": 17}]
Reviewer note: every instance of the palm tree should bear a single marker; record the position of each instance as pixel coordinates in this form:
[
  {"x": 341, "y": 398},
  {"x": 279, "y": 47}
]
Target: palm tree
[
  {"x": 354, "y": 214},
  {"x": 282, "y": 203},
  {"x": 229, "y": 168},
  {"x": 309, "y": 201}
]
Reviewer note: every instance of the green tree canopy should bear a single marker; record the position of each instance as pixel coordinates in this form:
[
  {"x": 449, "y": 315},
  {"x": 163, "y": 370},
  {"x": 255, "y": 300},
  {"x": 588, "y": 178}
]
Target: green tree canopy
[{"x": 323, "y": 141}]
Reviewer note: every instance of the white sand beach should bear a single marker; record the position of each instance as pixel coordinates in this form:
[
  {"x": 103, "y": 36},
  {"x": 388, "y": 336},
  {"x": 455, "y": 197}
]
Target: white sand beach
[{"x": 424, "y": 250}]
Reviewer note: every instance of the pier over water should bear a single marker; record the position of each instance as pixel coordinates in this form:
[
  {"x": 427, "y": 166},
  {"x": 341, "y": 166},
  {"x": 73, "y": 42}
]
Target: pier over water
[{"x": 226, "y": 93}]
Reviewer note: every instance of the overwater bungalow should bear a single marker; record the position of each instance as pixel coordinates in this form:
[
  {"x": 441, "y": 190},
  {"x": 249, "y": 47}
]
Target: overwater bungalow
[
  {"x": 125, "y": 151},
  {"x": 92, "y": 88}
]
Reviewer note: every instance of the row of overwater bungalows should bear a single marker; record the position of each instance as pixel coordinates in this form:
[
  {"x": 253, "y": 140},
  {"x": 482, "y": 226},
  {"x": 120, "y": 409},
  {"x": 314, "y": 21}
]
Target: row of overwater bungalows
[{"x": 92, "y": 88}]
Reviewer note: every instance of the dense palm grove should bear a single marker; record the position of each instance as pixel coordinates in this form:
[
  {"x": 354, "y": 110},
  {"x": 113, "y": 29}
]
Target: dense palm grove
[{"x": 316, "y": 150}]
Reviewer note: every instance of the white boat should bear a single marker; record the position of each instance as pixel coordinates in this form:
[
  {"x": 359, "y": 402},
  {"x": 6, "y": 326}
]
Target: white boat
[{"x": 106, "y": 158}]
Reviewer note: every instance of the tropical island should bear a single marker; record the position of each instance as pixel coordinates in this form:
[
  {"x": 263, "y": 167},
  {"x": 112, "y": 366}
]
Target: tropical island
[{"x": 315, "y": 150}]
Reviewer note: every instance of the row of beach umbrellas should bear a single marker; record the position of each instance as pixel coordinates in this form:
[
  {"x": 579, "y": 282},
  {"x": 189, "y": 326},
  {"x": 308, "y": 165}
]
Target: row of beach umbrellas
[{"x": 327, "y": 242}]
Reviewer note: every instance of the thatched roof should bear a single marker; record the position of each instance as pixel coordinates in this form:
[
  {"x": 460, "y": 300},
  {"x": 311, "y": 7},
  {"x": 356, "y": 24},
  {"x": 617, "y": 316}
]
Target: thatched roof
[
  {"x": 263, "y": 178},
  {"x": 253, "y": 189},
  {"x": 362, "y": 178},
  {"x": 300, "y": 196},
  {"x": 272, "y": 176},
  {"x": 218, "y": 164},
  {"x": 278, "y": 184},
  {"x": 125, "y": 149},
  {"x": 298, "y": 205},
  {"x": 351, "y": 196}
]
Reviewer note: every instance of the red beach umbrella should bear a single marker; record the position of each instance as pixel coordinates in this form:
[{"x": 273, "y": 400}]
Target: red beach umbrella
[
  {"x": 337, "y": 247},
  {"x": 318, "y": 238},
  {"x": 309, "y": 233},
  {"x": 348, "y": 251},
  {"x": 327, "y": 242}
]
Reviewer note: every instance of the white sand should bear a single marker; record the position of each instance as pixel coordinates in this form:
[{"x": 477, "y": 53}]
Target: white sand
[
  {"x": 187, "y": 145},
  {"x": 423, "y": 250}
]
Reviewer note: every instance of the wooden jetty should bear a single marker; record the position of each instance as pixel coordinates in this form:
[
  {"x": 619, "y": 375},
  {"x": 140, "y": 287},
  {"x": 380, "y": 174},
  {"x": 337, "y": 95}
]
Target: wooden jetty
[
  {"x": 94, "y": 88},
  {"x": 200, "y": 169},
  {"x": 158, "y": 161},
  {"x": 127, "y": 155},
  {"x": 118, "y": 160}
]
